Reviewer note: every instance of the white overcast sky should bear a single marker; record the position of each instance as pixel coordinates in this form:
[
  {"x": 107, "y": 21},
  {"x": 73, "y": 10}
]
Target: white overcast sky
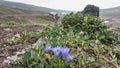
[{"x": 76, "y": 5}]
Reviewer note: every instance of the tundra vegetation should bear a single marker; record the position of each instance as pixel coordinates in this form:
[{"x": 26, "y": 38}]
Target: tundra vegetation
[{"x": 78, "y": 42}]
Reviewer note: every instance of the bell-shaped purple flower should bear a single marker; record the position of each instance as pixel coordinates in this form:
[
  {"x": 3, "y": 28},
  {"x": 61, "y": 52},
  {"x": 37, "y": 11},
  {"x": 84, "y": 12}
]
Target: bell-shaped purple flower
[
  {"x": 68, "y": 57},
  {"x": 59, "y": 52},
  {"x": 65, "y": 51},
  {"x": 56, "y": 51},
  {"x": 65, "y": 54},
  {"x": 47, "y": 48}
]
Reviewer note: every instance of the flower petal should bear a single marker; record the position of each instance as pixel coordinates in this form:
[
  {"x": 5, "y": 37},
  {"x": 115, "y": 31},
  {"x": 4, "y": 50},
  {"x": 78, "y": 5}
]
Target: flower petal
[
  {"x": 47, "y": 48},
  {"x": 68, "y": 58},
  {"x": 56, "y": 51},
  {"x": 65, "y": 51}
]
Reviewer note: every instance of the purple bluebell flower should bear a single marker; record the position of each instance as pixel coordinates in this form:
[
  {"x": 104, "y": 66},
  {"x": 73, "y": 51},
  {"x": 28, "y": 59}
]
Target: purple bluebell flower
[
  {"x": 59, "y": 52},
  {"x": 65, "y": 51},
  {"x": 56, "y": 51},
  {"x": 68, "y": 57},
  {"x": 47, "y": 48},
  {"x": 65, "y": 54}
]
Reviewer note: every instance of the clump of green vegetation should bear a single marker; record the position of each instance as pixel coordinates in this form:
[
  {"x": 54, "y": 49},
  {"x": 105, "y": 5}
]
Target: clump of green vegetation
[
  {"x": 9, "y": 24},
  {"x": 16, "y": 24},
  {"x": 13, "y": 41},
  {"x": 85, "y": 39},
  {"x": 24, "y": 36},
  {"x": 27, "y": 36},
  {"x": 94, "y": 27}
]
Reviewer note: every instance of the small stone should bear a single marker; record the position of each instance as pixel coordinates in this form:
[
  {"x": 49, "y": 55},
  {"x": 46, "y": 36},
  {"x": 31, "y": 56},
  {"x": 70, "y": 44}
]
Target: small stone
[
  {"x": 8, "y": 29},
  {"x": 17, "y": 35}
]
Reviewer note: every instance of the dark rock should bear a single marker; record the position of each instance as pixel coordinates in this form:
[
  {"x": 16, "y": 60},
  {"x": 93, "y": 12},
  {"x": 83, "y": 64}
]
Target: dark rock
[{"x": 91, "y": 10}]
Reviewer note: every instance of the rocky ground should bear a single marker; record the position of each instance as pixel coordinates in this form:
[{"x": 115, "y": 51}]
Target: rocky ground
[{"x": 7, "y": 49}]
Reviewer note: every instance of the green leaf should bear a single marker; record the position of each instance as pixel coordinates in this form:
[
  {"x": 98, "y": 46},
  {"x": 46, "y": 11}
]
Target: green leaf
[
  {"x": 80, "y": 63},
  {"x": 26, "y": 58},
  {"x": 39, "y": 66},
  {"x": 21, "y": 66}
]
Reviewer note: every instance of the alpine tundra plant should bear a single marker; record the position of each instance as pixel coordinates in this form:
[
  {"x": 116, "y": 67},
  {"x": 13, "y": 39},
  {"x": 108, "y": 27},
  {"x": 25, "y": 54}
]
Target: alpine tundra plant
[
  {"x": 79, "y": 42},
  {"x": 58, "y": 51}
]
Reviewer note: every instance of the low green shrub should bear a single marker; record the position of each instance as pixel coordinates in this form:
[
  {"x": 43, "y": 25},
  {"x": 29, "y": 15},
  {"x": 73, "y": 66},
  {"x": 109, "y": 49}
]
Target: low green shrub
[{"x": 92, "y": 26}]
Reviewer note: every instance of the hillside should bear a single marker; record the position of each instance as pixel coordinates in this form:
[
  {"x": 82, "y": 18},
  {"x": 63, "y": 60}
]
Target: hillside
[
  {"x": 5, "y": 10},
  {"x": 8, "y": 14},
  {"x": 111, "y": 12},
  {"x": 29, "y": 7}
]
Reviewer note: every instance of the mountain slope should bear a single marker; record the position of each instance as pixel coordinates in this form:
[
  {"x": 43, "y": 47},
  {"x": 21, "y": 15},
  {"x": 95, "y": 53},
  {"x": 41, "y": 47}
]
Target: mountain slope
[
  {"x": 28, "y": 7},
  {"x": 111, "y": 12},
  {"x": 8, "y": 11},
  {"x": 8, "y": 14},
  {"x": 5, "y": 10}
]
